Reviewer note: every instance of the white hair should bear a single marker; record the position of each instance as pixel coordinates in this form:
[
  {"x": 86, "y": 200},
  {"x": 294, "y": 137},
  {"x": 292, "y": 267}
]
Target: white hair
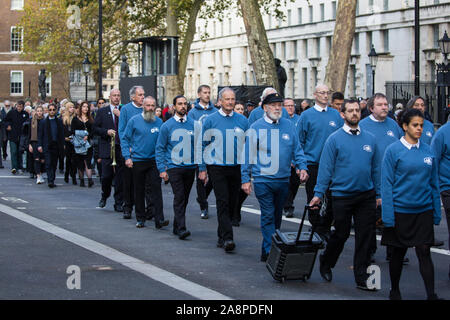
[
  {"x": 266, "y": 92},
  {"x": 221, "y": 92}
]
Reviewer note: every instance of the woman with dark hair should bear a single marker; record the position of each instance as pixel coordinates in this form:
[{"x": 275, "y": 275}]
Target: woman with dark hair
[
  {"x": 83, "y": 122},
  {"x": 38, "y": 157},
  {"x": 418, "y": 103},
  {"x": 69, "y": 113},
  {"x": 410, "y": 202}
]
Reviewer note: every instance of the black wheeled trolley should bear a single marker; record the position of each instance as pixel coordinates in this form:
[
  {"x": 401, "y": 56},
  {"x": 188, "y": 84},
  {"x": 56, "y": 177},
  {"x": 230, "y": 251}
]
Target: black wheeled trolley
[{"x": 293, "y": 254}]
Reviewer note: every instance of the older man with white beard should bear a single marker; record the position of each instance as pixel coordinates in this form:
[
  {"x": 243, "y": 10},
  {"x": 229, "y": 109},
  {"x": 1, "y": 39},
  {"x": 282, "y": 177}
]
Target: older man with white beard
[
  {"x": 141, "y": 136},
  {"x": 271, "y": 181}
]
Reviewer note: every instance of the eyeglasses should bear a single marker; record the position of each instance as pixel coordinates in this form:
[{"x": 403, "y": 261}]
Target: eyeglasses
[
  {"x": 51, "y": 109},
  {"x": 323, "y": 92}
]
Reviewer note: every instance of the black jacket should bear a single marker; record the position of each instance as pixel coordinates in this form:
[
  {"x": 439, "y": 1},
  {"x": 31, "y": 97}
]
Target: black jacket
[
  {"x": 44, "y": 135},
  {"x": 15, "y": 119},
  {"x": 104, "y": 122}
]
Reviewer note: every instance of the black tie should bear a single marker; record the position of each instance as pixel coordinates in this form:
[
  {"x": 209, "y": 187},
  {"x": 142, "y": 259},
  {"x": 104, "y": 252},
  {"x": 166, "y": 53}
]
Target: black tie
[
  {"x": 323, "y": 110},
  {"x": 354, "y": 132},
  {"x": 181, "y": 120}
]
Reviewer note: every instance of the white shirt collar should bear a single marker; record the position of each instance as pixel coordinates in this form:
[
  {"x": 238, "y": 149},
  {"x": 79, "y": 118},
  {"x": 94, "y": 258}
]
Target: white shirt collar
[
  {"x": 347, "y": 129},
  {"x": 224, "y": 114},
  {"x": 112, "y": 107},
  {"x": 375, "y": 120},
  {"x": 203, "y": 106},
  {"x": 409, "y": 145},
  {"x": 135, "y": 105},
  {"x": 268, "y": 120},
  {"x": 320, "y": 109},
  {"x": 178, "y": 118}
]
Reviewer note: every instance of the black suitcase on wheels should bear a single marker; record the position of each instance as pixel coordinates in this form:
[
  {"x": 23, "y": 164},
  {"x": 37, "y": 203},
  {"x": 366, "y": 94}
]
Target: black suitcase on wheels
[{"x": 293, "y": 254}]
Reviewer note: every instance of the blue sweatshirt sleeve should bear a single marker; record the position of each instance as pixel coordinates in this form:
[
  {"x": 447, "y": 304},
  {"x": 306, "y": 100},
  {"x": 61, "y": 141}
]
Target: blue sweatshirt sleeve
[
  {"x": 436, "y": 147},
  {"x": 161, "y": 149},
  {"x": 205, "y": 126},
  {"x": 246, "y": 168},
  {"x": 302, "y": 131},
  {"x": 298, "y": 154},
  {"x": 123, "y": 120},
  {"x": 387, "y": 178},
  {"x": 326, "y": 167},
  {"x": 376, "y": 168},
  {"x": 434, "y": 183},
  {"x": 125, "y": 140}
]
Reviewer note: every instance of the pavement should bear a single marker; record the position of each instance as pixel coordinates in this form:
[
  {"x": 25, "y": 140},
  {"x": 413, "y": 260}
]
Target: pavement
[{"x": 45, "y": 233}]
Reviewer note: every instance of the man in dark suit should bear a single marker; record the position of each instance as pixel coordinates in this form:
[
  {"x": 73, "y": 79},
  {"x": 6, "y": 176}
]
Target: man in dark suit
[
  {"x": 14, "y": 121},
  {"x": 106, "y": 127},
  {"x": 51, "y": 142}
]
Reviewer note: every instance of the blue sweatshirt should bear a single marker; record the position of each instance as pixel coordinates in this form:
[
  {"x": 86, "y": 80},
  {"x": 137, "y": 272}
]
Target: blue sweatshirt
[
  {"x": 409, "y": 182},
  {"x": 284, "y": 150},
  {"x": 140, "y": 136},
  {"x": 441, "y": 148},
  {"x": 198, "y": 112},
  {"x": 258, "y": 113},
  {"x": 385, "y": 132},
  {"x": 215, "y": 127},
  {"x": 127, "y": 112},
  {"x": 428, "y": 132},
  {"x": 348, "y": 165},
  {"x": 177, "y": 137},
  {"x": 314, "y": 128}
]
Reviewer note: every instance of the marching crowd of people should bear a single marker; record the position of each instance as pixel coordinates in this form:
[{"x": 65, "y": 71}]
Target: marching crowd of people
[{"x": 364, "y": 165}]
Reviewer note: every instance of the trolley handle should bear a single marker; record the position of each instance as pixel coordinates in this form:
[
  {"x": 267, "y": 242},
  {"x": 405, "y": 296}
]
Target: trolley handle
[{"x": 307, "y": 207}]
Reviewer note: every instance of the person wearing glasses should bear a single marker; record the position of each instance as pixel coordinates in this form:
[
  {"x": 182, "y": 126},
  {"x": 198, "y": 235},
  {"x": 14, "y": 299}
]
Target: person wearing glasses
[
  {"x": 315, "y": 125},
  {"x": 51, "y": 142}
]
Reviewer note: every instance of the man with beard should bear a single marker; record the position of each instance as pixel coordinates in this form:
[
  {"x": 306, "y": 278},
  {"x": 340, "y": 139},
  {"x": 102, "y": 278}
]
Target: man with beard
[
  {"x": 176, "y": 164},
  {"x": 222, "y": 163},
  {"x": 349, "y": 167},
  {"x": 106, "y": 125},
  {"x": 203, "y": 107},
  {"x": 271, "y": 181},
  {"x": 140, "y": 136}
]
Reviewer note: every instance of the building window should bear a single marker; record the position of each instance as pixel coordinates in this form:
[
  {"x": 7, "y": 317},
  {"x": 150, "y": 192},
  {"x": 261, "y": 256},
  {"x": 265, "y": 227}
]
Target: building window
[
  {"x": 289, "y": 17},
  {"x": 16, "y": 4},
  {"x": 435, "y": 36},
  {"x": 386, "y": 5},
  {"x": 333, "y": 9},
  {"x": 322, "y": 12},
  {"x": 16, "y": 83},
  {"x": 300, "y": 20},
  {"x": 75, "y": 76},
  {"x": 356, "y": 43},
  {"x": 311, "y": 14},
  {"x": 305, "y": 82},
  {"x": 317, "y": 47},
  {"x": 386, "y": 40},
  {"x": 16, "y": 39}
]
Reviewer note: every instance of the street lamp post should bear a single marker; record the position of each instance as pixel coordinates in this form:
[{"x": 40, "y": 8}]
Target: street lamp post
[
  {"x": 86, "y": 70},
  {"x": 443, "y": 79},
  {"x": 373, "y": 56}
]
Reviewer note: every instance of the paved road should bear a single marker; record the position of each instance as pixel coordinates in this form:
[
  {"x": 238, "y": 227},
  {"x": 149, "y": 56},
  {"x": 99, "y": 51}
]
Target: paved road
[{"x": 44, "y": 231}]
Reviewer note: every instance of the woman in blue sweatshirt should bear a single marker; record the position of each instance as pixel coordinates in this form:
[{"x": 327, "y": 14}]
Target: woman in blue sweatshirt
[{"x": 410, "y": 201}]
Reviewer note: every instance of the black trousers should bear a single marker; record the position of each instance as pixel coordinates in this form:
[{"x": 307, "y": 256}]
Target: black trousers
[
  {"x": 128, "y": 189},
  {"x": 113, "y": 173},
  {"x": 226, "y": 182},
  {"x": 181, "y": 180},
  {"x": 144, "y": 171},
  {"x": 445, "y": 196},
  {"x": 71, "y": 168},
  {"x": 38, "y": 159},
  {"x": 294, "y": 183},
  {"x": 51, "y": 161},
  {"x": 203, "y": 192},
  {"x": 237, "y": 212},
  {"x": 323, "y": 225},
  {"x": 361, "y": 208}
]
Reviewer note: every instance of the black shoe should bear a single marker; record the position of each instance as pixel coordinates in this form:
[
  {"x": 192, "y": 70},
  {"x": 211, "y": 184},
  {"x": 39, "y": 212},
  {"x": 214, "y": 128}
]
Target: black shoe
[
  {"x": 325, "y": 271},
  {"x": 66, "y": 179},
  {"x": 235, "y": 223},
  {"x": 395, "y": 295},
  {"x": 219, "y": 243},
  {"x": 90, "y": 183},
  {"x": 74, "y": 181},
  {"x": 118, "y": 208},
  {"x": 264, "y": 256},
  {"x": 127, "y": 215},
  {"x": 162, "y": 223},
  {"x": 102, "y": 203},
  {"x": 438, "y": 243},
  {"x": 51, "y": 185},
  {"x": 229, "y": 245},
  {"x": 2, "y": 167},
  {"x": 434, "y": 297},
  {"x": 289, "y": 213},
  {"x": 82, "y": 183},
  {"x": 149, "y": 214},
  {"x": 204, "y": 214},
  {"x": 140, "y": 224},
  {"x": 363, "y": 286},
  {"x": 183, "y": 234}
]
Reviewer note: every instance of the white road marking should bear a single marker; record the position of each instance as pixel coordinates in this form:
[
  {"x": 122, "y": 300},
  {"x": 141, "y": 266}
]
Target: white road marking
[
  {"x": 296, "y": 220},
  {"x": 147, "y": 269},
  {"x": 14, "y": 200}
]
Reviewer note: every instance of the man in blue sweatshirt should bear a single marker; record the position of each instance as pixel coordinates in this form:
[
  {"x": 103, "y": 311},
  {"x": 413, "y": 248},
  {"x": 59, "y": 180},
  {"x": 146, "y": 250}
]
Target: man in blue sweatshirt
[
  {"x": 223, "y": 140},
  {"x": 387, "y": 132},
  {"x": 271, "y": 180},
  {"x": 315, "y": 126},
  {"x": 138, "y": 149},
  {"x": 203, "y": 107},
  {"x": 349, "y": 167},
  {"x": 294, "y": 181},
  {"x": 258, "y": 113},
  {"x": 175, "y": 161},
  {"x": 441, "y": 148}
]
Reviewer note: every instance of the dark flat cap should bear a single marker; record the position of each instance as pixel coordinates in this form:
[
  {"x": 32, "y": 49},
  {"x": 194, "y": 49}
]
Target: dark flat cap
[{"x": 271, "y": 98}]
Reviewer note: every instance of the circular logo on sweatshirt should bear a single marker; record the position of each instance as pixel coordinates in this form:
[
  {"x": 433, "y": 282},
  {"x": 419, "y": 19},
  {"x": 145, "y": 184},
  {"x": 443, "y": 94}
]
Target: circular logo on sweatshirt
[
  {"x": 428, "y": 161},
  {"x": 285, "y": 136},
  {"x": 332, "y": 123},
  {"x": 428, "y": 133},
  {"x": 238, "y": 130},
  {"x": 190, "y": 132},
  {"x": 153, "y": 130},
  {"x": 390, "y": 133},
  {"x": 367, "y": 148}
]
